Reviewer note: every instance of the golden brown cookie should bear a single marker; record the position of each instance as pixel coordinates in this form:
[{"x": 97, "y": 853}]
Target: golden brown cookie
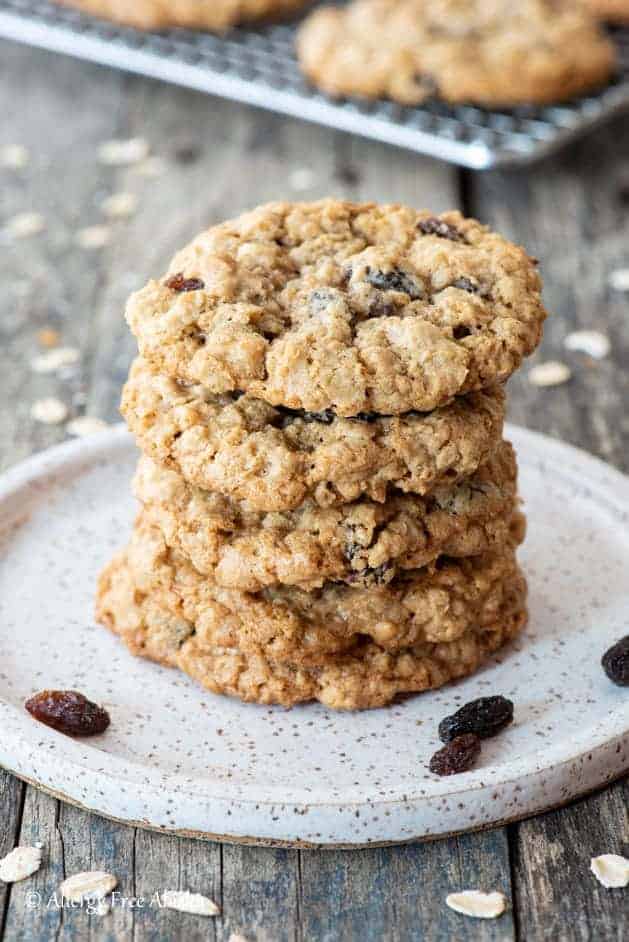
[
  {"x": 487, "y": 52},
  {"x": 343, "y": 306},
  {"x": 367, "y": 675},
  {"x": 438, "y": 603},
  {"x": 275, "y": 458},
  {"x": 614, "y": 11},
  {"x": 211, "y": 15},
  {"x": 361, "y": 543}
]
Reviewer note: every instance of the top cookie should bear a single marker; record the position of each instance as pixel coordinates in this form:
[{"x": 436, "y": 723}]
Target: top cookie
[
  {"x": 212, "y": 15},
  {"x": 343, "y": 306},
  {"x": 490, "y": 52}
]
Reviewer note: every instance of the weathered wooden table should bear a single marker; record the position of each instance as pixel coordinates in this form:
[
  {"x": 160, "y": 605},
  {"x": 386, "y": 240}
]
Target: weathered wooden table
[{"x": 572, "y": 212}]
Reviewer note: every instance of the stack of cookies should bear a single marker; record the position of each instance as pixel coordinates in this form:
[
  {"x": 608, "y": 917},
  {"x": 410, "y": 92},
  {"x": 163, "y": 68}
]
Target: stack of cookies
[{"x": 329, "y": 510}]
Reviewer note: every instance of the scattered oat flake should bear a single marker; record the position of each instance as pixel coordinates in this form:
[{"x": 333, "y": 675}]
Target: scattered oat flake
[
  {"x": 611, "y": 870},
  {"x": 49, "y": 411},
  {"x": 236, "y": 937},
  {"x": 551, "y": 373},
  {"x": 55, "y": 359},
  {"x": 48, "y": 337},
  {"x": 21, "y": 288},
  {"x": 118, "y": 153},
  {"x": 93, "y": 237},
  {"x": 619, "y": 279},
  {"x": 187, "y": 902},
  {"x": 85, "y": 425},
  {"x": 302, "y": 178},
  {"x": 25, "y": 224},
  {"x": 20, "y": 863},
  {"x": 89, "y": 885},
  {"x": 120, "y": 205},
  {"x": 14, "y": 156},
  {"x": 477, "y": 904},
  {"x": 592, "y": 342},
  {"x": 151, "y": 167}
]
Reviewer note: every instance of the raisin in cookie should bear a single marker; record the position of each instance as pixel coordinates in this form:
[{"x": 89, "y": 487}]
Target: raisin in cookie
[
  {"x": 343, "y": 306},
  {"x": 276, "y": 458},
  {"x": 212, "y": 15},
  {"x": 366, "y": 675},
  {"x": 487, "y": 52},
  {"x": 438, "y": 603},
  {"x": 362, "y": 543}
]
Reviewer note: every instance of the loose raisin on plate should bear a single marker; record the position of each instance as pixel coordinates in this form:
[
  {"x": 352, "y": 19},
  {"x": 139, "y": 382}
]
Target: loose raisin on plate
[
  {"x": 178, "y": 283},
  {"x": 615, "y": 662},
  {"x": 69, "y": 712},
  {"x": 437, "y": 227},
  {"x": 458, "y": 756},
  {"x": 485, "y": 717}
]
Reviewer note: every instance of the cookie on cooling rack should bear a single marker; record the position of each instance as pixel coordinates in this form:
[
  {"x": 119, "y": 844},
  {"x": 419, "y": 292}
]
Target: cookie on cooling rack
[
  {"x": 614, "y": 11},
  {"x": 487, "y": 52},
  {"x": 211, "y": 15}
]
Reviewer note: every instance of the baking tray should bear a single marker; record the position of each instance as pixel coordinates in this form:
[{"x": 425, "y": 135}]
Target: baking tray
[{"x": 258, "y": 67}]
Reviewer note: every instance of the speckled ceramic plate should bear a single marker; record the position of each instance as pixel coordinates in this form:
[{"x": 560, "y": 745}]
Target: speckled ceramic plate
[{"x": 181, "y": 759}]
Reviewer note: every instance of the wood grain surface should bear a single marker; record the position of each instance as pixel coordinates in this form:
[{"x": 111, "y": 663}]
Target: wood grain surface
[{"x": 218, "y": 158}]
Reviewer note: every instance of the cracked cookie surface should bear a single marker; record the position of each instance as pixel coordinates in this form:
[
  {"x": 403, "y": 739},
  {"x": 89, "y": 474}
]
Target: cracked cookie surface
[
  {"x": 363, "y": 543},
  {"x": 436, "y": 604},
  {"x": 275, "y": 458},
  {"x": 486, "y": 52},
  {"x": 365, "y": 675},
  {"x": 211, "y": 15},
  {"x": 343, "y": 306}
]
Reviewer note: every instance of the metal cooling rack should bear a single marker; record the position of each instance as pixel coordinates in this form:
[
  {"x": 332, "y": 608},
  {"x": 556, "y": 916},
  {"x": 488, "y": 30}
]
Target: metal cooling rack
[{"x": 258, "y": 67}]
